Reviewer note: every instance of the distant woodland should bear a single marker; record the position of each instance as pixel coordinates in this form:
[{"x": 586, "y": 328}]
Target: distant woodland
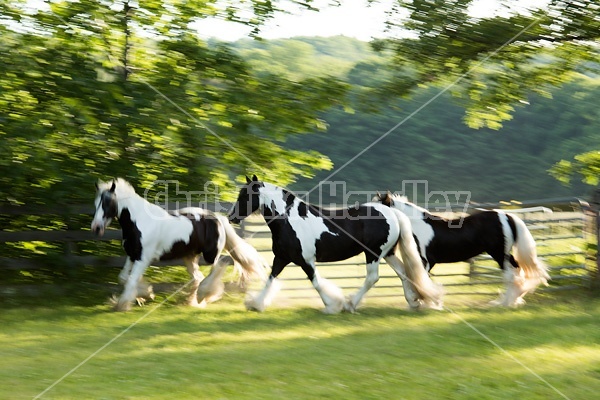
[{"x": 434, "y": 144}]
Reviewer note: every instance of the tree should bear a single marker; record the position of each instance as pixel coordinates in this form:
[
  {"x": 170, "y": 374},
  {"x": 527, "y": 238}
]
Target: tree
[
  {"x": 124, "y": 88},
  {"x": 494, "y": 63}
]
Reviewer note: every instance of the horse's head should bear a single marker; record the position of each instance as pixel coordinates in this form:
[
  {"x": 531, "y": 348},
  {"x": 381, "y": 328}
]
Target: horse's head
[
  {"x": 386, "y": 198},
  {"x": 106, "y": 206},
  {"x": 248, "y": 200}
]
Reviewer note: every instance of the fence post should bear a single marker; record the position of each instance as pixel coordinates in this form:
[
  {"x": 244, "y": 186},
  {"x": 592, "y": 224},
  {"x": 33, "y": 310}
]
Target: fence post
[
  {"x": 471, "y": 262},
  {"x": 595, "y": 205}
]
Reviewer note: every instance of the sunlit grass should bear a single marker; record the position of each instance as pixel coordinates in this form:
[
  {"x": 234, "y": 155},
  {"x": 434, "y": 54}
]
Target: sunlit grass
[{"x": 383, "y": 351}]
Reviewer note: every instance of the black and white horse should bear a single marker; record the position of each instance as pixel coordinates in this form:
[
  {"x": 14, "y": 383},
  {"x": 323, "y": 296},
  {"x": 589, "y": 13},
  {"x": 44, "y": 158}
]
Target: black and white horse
[
  {"x": 151, "y": 233},
  {"x": 494, "y": 232},
  {"x": 304, "y": 234}
]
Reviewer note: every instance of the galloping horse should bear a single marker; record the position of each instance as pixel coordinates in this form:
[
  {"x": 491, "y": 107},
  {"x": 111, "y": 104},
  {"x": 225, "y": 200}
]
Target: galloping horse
[
  {"x": 494, "y": 232},
  {"x": 304, "y": 234},
  {"x": 151, "y": 233}
]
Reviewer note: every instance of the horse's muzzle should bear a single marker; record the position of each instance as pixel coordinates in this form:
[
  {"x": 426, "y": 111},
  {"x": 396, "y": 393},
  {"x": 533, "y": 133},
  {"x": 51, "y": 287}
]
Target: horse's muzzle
[{"x": 98, "y": 230}]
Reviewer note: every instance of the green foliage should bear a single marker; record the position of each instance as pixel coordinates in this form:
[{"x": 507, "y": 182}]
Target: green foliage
[
  {"x": 92, "y": 89},
  {"x": 501, "y": 58},
  {"x": 434, "y": 144},
  {"x": 494, "y": 63},
  {"x": 586, "y": 164},
  {"x": 303, "y": 57}
]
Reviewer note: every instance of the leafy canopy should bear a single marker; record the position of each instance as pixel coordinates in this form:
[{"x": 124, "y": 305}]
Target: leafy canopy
[
  {"x": 123, "y": 88},
  {"x": 494, "y": 63}
]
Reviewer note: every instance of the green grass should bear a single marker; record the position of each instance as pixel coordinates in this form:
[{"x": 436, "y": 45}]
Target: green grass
[{"x": 382, "y": 352}]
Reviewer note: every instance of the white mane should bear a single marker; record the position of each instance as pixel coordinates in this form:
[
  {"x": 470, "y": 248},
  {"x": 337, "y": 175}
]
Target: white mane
[
  {"x": 400, "y": 199},
  {"x": 401, "y": 202},
  {"x": 123, "y": 188}
]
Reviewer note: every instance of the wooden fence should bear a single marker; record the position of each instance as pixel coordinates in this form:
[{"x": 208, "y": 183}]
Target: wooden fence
[{"x": 561, "y": 236}]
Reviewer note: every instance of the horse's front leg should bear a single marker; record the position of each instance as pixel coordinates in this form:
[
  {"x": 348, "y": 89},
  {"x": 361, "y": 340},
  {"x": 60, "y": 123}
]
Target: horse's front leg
[
  {"x": 130, "y": 292},
  {"x": 124, "y": 274},
  {"x": 272, "y": 286},
  {"x": 144, "y": 289},
  {"x": 370, "y": 280}
]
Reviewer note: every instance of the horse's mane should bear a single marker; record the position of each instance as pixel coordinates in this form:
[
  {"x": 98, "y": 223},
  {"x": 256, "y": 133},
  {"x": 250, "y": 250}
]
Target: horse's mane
[
  {"x": 397, "y": 198},
  {"x": 320, "y": 209},
  {"x": 123, "y": 188}
]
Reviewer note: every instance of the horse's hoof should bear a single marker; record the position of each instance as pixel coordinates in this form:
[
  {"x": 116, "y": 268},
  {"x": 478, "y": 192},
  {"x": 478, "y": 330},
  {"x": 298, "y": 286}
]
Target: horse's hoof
[
  {"x": 334, "y": 308},
  {"x": 121, "y": 306},
  {"x": 416, "y": 304},
  {"x": 252, "y": 306},
  {"x": 349, "y": 306},
  {"x": 194, "y": 303},
  {"x": 141, "y": 301},
  {"x": 516, "y": 303},
  {"x": 432, "y": 305}
]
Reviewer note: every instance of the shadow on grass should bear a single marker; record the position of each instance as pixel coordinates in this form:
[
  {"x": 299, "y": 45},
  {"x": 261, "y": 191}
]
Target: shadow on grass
[{"x": 303, "y": 352}]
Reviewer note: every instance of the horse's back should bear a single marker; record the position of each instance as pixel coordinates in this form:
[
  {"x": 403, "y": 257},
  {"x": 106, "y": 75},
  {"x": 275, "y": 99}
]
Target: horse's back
[
  {"x": 366, "y": 228},
  {"x": 200, "y": 235},
  {"x": 460, "y": 239}
]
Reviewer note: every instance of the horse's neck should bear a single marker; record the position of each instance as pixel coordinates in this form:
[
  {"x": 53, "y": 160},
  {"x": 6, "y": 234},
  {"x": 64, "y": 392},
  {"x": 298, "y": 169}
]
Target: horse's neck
[
  {"x": 274, "y": 207},
  {"x": 272, "y": 201},
  {"x": 140, "y": 208}
]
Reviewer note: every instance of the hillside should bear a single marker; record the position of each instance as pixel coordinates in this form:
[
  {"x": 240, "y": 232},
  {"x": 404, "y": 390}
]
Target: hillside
[{"x": 434, "y": 145}]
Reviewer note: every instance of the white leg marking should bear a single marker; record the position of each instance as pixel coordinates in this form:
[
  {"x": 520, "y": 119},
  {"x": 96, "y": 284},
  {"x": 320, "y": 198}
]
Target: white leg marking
[
  {"x": 331, "y": 294},
  {"x": 370, "y": 280},
  {"x": 410, "y": 292},
  {"x": 130, "y": 292},
  {"x": 124, "y": 274},
  {"x": 264, "y": 298},
  {"x": 513, "y": 280}
]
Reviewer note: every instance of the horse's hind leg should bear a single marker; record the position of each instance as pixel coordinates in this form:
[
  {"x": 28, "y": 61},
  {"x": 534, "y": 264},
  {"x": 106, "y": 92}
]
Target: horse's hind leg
[
  {"x": 370, "y": 280},
  {"x": 194, "y": 270},
  {"x": 515, "y": 283},
  {"x": 513, "y": 296},
  {"x": 410, "y": 292}
]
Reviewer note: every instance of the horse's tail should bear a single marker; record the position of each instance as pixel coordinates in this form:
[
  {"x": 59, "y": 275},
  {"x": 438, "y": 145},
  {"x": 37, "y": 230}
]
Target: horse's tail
[
  {"x": 247, "y": 262},
  {"x": 533, "y": 271},
  {"x": 430, "y": 292}
]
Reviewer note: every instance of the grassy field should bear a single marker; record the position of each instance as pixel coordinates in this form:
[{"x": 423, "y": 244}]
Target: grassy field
[
  {"x": 550, "y": 349},
  {"x": 76, "y": 348}
]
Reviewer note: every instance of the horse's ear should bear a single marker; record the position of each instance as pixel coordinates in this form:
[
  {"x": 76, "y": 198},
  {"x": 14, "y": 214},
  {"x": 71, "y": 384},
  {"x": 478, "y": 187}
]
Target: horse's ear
[
  {"x": 378, "y": 195},
  {"x": 389, "y": 198},
  {"x": 96, "y": 185},
  {"x": 113, "y": 187},
  {"x": 254, "y": 178},
  {"x": 248, "y": 180}
]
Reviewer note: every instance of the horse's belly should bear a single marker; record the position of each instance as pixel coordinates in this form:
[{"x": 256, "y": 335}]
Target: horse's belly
[
  {"x": 454, "y": 254},
  {"x": 331, "y": 252}
]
